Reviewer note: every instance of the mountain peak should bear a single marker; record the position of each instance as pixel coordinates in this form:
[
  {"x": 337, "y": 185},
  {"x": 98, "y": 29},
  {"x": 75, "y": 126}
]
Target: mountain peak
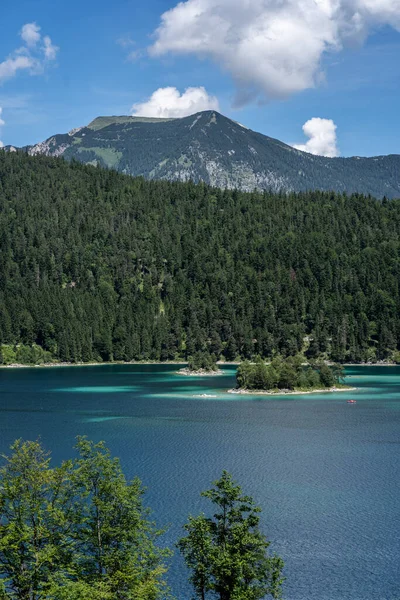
[
  {"x": 207, "y": 146},
  {"x": 104, "y": 121},
  {"x": 101, "y": 122}
]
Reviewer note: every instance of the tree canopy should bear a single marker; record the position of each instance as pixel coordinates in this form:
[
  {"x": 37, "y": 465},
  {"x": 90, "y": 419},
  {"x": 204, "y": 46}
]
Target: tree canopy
[
  {"x": 227, "y": 554},
  {"x": 77, "y": 531},
  {"x": 81, "y": 531},
  {"x": 289, "y": 374},
  {"x": 98, "y": 266}
]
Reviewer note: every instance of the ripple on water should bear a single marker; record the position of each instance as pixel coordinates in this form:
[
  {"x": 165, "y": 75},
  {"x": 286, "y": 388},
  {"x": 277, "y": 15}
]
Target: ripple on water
[
  {"x": 99, "y": 389},
  {"x": 326, "y": 474},
  {"x": 103, "y": 419}
]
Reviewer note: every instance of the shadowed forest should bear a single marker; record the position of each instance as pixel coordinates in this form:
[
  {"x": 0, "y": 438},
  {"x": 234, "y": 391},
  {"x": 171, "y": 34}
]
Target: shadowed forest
[{"x": 99, "y": 266}]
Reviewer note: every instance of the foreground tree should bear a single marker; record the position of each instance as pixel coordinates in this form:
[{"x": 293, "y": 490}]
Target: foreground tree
[
  {"x": 113, "y": 537},
  {"x": 75, "y": 532},
  {"x": 35, "y": 512},
  {"x": 227, "y": 554},
  {"x": 77, "y": 590}
]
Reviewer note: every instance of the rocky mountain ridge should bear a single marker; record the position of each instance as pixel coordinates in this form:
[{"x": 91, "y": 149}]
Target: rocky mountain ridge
[{"x": 210, "y": 147}]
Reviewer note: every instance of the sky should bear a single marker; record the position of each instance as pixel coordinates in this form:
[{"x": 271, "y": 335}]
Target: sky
[{"x": 322, "y": 75}]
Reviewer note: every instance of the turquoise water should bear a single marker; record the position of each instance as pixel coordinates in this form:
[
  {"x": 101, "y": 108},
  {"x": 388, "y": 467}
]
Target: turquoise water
[{"x": 325, "y": 472}]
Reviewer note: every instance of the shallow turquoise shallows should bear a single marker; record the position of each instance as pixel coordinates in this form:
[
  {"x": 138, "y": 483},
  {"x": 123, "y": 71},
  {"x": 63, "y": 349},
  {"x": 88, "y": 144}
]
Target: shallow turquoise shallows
[{"x": 325, "y": 472}]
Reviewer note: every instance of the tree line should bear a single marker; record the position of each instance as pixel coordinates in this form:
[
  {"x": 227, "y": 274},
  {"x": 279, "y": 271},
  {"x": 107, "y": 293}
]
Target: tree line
[
  {"x": 81, "y": 531},
  {"x": 98, "y": 266},
  {"x": 288, "y": 374}
]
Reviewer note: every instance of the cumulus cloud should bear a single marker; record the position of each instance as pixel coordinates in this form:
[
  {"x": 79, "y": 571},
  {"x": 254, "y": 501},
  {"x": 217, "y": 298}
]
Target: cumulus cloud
[
  {"x": 272, "y": 48},
  {"x": 32, "y": 56},
  {"x": 168, "y": 102},
  {"x": 322, "y": 138},
  {"x": 30, "y": 33},
  {"x": 10, "y": 66}
]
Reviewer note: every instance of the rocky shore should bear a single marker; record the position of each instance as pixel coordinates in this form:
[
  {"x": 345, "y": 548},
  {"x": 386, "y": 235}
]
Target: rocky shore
[{"x": 290, "y": 392}]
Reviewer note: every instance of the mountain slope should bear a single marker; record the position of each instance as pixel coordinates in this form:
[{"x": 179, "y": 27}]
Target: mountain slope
[
  {"x": 97, "y": 265},
  {"x": 212, "y": 148}
]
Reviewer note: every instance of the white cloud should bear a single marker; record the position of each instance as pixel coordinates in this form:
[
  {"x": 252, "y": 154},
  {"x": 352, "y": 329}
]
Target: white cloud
[
  {"x": 31, "y": 57},
  {"x": 169, "y": 103},
  {"x": 30, "y": 34},
  {"x": 272, "y": 48},
  {"x": 50, "y": 51},
  {"x": 10, "y": 66},
  {"x": 322, "y": 138}
]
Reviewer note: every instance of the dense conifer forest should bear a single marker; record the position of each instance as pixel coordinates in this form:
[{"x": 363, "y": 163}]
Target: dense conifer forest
[{"x": 96, "y": 265}]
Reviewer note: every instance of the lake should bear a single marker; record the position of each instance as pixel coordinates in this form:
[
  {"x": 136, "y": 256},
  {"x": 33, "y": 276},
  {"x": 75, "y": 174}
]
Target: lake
[{"x": 325, "y": 472}]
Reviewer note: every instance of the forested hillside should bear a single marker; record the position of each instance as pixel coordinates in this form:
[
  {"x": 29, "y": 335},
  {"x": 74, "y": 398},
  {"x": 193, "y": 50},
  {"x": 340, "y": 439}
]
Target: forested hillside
[{"x": 95, "y": 265}]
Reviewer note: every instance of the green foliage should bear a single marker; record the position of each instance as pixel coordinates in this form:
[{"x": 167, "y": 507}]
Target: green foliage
[
  {"x": 77, "y": 528},
  {"x": 396, "y": 357},
  {"x": 79, "y": 591},
  {"x": 227, "y": 554},
  {"x": 114, "y": 535},
  {"x": 81, "y": 531},
  {"x": 202, "y": 360},
  {"x": 24, "y": 355},
  {"x": 8, "y": 355},
  {"x": 98, "y": 266},
  {"x": 35, "y": 507},
  {"x": 326, "y": 376},
  {"x": 289, "y": 374}
]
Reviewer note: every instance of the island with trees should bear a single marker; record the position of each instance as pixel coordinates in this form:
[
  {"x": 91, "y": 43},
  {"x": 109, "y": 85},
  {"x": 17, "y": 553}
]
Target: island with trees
[
  {"x": 201, "y": 363},
  {"x": 291, "y": 375}
]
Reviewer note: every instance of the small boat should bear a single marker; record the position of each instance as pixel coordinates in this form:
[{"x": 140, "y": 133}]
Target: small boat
[{"x": 351, "y": 401}]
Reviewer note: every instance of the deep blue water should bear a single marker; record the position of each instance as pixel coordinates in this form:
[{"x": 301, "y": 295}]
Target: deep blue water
[{"x": 326, "y": 473}]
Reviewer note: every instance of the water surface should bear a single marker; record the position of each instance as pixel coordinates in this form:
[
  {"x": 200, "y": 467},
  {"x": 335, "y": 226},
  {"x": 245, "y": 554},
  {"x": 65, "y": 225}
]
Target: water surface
[{"x": 325, "y": 472}]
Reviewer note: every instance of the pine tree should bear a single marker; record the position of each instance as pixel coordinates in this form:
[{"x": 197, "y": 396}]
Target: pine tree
[{"x": 227, "y": 554}]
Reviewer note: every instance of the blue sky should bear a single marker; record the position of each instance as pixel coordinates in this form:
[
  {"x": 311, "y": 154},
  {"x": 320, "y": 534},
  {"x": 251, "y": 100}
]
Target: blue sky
[{"x": 323, "y": 69}]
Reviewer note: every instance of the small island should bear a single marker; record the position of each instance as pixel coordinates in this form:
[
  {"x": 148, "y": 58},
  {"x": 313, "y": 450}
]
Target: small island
[
  {"x": 201, "y": 363},
  {"x": 292, "y": 375}
]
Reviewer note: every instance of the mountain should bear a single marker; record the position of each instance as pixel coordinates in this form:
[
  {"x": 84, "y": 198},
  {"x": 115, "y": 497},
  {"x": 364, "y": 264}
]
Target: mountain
[{"x": 210, "y": 147}]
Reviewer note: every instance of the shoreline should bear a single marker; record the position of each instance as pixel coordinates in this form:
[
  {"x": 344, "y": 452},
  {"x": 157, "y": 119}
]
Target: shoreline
[
  {"x": 386, "y": 364},
  {"x": 200, "y": 373},
  {"x": 103, "y": 364},
  {"x": 160, "y": 362},
  {"x": 89, "y": 364},
  {"x": 291, "y": 392}
]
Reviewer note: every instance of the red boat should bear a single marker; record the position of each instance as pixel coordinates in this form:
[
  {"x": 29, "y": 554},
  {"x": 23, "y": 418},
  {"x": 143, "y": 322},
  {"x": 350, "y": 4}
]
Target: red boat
[{"x": 351, "y": 401}]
